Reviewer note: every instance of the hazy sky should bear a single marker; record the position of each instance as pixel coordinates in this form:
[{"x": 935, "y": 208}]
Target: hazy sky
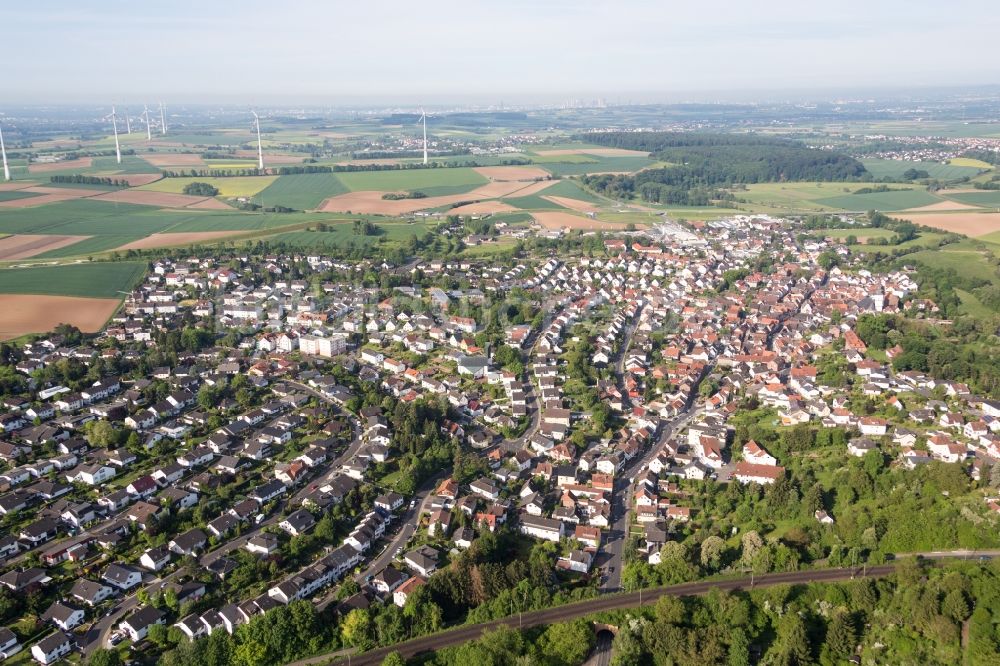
[{"x": 440, "y": 50}]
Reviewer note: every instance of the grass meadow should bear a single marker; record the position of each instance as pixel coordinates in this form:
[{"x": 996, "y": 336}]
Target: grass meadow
[{"x": 94, "y": 280}]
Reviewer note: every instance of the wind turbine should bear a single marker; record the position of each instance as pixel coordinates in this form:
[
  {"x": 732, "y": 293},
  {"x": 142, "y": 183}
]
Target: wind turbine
[
  {"x": 260, "y": 149},
  {"x": 114, "y": 123},
  {"x": 423, "y": 117},
  {"x": 149, "y": 132},
  {"x": 3, "y": 151},
  {"x": 128, "y": 123},
  {"x": 163, "y": 120}
]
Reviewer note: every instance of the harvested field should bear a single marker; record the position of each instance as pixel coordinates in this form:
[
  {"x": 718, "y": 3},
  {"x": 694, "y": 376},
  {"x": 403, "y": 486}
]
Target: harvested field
[
  {"x": 970, "y": 224},
  {"x": 24, "y": 313},
  {"x": 211, "y": 204},
  {"x": 532, "y": 189},
  {"x": 173, "y": 159},
  {"x": 135, "y": 179},
  {"x": 15, "y": 185},
  {"x": 506, "y": 173},
  {"x": 151, "y": 198},
  {"x": 598, "y": 152},
  {"x": 172, "y": 240},
  {"x": 478, "y": 208},
  {"x": 75, "y": 192},
  {"x": 268, "y": 158},
  {"x": 22, "y": 246},
  {"x": 941, "y": 205},
  {"x": 47, "y": 195},
  {"x": 557, "y": 220},
  {"x": 371, "y": 202},
  {"x": 573, "y": 204},
  {"x": 81, "y": 163}
]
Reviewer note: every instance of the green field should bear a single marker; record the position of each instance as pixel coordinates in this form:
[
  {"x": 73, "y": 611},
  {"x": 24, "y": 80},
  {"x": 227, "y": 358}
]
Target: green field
[
  {"x": 237, "y": 186},
  {"x": 341, "y": 236},
  {"x": 112, "y": 225},
  {"x": 94, "y": 280},
  {"x": 460, "y": 180},
  {"x": 302, "y": 191},
  {"x": 234, "y": 138},
  {"x": 14, "y": 195},
  {"x": 130, "y": 164},
  {"x": 533, "y": 202},
  {"x": 969, "y": 162},
  {"x": 894, "y": 200},
  {"x": 860, "y": 233},
  {"x": 628, "y": 164},
  {"x": 569, "y": 189},
  {"x": 965, "y": 261},
  {"x": 895, "y": 169},
  {"x": 564, "y": 159},
  {"x": 984, "y": 199}
]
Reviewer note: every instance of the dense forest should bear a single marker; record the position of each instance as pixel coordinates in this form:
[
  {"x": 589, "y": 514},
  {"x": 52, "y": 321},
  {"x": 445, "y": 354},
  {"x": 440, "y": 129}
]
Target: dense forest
[{"x": 701, "y": 163}]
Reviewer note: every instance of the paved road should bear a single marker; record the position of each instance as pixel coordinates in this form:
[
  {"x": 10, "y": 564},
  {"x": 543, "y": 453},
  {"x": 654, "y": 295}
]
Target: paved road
[
  {"x": 574, "y": 611},
  {"x": 601, "y": 656},
  {"x": 621, "y": 503},
  {"x": 407, "y": 526}
]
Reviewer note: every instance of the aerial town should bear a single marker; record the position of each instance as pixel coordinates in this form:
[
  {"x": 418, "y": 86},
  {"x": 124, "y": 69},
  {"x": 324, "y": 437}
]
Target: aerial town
[{"x": 350, "y": 429}]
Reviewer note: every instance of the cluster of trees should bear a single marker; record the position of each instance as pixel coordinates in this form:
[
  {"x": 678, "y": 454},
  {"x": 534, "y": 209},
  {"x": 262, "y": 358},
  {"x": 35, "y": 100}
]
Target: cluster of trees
[
  {"x": 961, "y": 353},
  {"x": 281, "y": 635},
  {"x": 201, "y": 189},
  {"x": 988, "y": 156},
  {"x": 365, "y": 228},
  {"x": 914, "y": 617},
  {"x": 80, "y": 179},
  {"x": 702, "y": 162},
  {"x": 562, "y": 644},
  {"x": 397, "y": 196},
  {"x": 914, "y": 174}
]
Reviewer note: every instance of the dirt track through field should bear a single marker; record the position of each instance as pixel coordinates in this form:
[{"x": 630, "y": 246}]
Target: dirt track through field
[
  {"x": 22, "y": 246},
  {"x": 28, "y": 313}
]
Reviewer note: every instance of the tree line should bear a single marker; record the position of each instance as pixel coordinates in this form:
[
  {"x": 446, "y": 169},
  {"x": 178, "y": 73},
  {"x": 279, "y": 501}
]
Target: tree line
[
  {"x": 80, "y": 179},
  {"x": 701, "y": 163}
]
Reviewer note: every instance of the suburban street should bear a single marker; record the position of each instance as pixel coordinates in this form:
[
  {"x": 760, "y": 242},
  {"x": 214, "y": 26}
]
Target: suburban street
[
  {"x": 621, "y": 502},
  {"x": 98, "y": 633}
]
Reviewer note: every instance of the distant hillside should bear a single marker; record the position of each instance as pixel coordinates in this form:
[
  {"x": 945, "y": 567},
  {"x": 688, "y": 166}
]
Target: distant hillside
[{"x": 704, "y": 163}]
